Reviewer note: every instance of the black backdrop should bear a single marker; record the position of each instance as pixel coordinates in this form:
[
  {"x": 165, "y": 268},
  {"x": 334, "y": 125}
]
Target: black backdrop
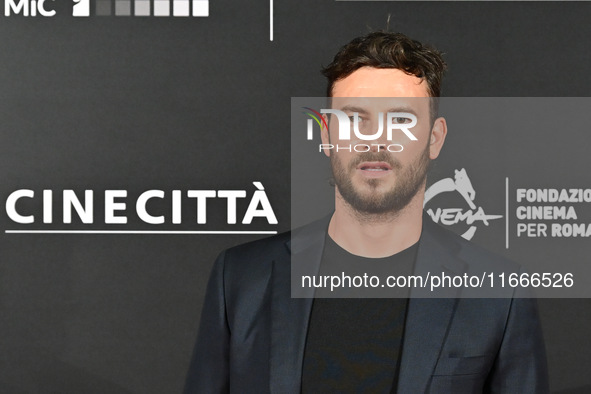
[{"x": 204, "y": 103}]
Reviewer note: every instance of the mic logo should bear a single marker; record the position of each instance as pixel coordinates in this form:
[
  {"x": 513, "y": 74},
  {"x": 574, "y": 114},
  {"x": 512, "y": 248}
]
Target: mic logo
[
  {"x": 27, "y": 8},
  {"x": 82, "y": 8}
]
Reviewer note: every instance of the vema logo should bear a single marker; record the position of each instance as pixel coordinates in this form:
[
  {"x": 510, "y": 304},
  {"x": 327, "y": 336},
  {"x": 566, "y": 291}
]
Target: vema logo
[
  {"x": 452, "y": 216},
  {"x": 347, "y": 122}
]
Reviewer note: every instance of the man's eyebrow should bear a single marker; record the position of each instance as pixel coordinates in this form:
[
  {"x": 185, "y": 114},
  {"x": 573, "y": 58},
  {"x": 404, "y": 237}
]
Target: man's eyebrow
[
  {"x": 364, "y": 111},
  {"x": 352, "y": 108},
  {"x": 403, "y": 108}
]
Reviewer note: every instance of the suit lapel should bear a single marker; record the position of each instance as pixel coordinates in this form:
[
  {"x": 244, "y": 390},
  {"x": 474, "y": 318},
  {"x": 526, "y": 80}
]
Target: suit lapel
[
  {"x": 428, "y": 319},
  {"x": 290, "y": 316}
]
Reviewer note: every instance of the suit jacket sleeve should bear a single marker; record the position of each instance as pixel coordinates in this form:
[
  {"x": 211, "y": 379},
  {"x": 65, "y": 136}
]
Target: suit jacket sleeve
[
  {"x": 209, "y": 368},
  {"x": 520, "y": 366}
]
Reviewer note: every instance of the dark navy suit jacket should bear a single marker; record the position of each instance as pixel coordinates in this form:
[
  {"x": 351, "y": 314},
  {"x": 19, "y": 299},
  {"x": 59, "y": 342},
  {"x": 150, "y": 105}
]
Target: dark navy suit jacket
[{"x": 252, "y": 333}]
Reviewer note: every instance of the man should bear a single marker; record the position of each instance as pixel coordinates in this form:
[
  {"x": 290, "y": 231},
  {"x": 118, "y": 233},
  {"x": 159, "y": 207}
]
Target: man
[{"x": 255, "y": 338}]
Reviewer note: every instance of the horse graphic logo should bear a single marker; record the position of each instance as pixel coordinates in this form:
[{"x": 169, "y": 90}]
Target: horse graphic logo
[{"x": 448, "y": 216}]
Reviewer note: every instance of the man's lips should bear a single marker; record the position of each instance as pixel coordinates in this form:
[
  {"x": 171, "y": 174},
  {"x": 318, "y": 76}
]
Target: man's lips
[
  {"x": 374, "y": 169},
  {"x": 374, "y": 166}
]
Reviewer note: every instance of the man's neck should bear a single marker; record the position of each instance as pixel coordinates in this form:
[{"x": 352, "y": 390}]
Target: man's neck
[{"x": 379, "y": 235}]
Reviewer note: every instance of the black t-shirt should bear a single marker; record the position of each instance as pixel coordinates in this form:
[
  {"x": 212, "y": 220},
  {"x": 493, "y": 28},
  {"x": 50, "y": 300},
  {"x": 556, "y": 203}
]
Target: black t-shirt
[{"x": 354, "y": 344}]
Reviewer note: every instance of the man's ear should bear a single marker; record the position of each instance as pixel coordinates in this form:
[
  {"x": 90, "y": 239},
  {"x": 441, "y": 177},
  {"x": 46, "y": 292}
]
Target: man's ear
[
  {"x": 324, "y": 136},
  {"x": 438, "y": 133}
]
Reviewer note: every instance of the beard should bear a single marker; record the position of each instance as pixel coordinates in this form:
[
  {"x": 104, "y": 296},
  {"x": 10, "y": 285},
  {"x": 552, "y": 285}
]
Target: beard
[{"x": 408, "y": 182}]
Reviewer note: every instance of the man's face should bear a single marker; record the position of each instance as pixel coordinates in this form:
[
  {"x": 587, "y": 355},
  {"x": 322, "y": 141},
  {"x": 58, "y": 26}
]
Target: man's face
[{"x": 380, "y": 181}]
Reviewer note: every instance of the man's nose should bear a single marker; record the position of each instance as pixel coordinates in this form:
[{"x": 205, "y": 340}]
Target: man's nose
[
  {"x": 373, "y": 130},
  {"x": 377, "y": 146}
]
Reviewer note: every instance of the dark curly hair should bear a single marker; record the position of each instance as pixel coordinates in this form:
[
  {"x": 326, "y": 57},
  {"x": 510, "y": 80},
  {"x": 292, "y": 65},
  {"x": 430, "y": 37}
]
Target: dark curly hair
[{"x": 388, "y": 50}]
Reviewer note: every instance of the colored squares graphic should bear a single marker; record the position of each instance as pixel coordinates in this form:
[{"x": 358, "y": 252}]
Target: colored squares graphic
[
  {"x": 200, "y": 7},
  {"x": 161, "y": 8},
  {"x": 141, "y": 8},
  {"x": 180, "y": 8},
  {"x": 177, "y": 8},
  {"x": 123, "y": 7},
  {"x": 103, "y": 7}
]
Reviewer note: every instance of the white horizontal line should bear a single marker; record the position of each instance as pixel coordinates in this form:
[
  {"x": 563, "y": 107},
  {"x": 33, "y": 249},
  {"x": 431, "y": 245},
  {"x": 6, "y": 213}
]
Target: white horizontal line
[{"x": 133, "y": 232}]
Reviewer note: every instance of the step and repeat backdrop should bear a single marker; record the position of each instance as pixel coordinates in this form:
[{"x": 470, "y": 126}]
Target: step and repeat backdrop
[{"x": 140, "y": 138}]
